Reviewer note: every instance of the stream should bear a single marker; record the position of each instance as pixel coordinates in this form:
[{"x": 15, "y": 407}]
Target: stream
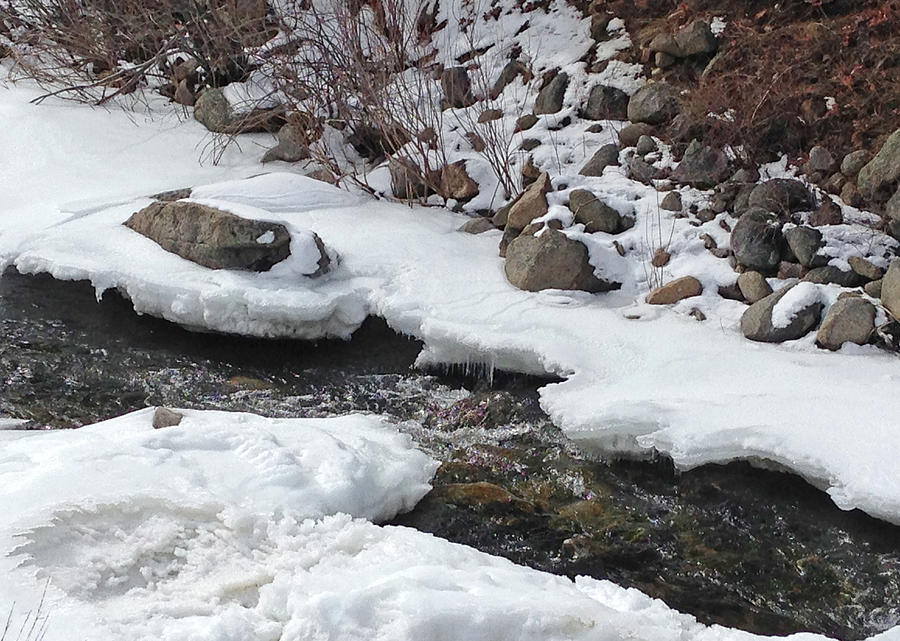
[{"x": 731, "y": 544}]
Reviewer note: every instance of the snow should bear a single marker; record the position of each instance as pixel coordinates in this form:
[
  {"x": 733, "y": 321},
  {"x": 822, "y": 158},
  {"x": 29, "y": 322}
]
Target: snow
[
  {"x": 800, "y": 297},
  {"x": 233, "y": 526}
]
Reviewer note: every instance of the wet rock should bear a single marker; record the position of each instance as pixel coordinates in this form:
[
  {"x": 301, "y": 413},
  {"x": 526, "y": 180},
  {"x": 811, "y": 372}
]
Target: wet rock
[
  {"x": 477, "y": 226},
  {"x": 550, "y": 98},
  {"x": 606, "y": 156},
  {"x": 854, "y": 161},
  {"x": 849, "y": 320},
  {"x": 593, "y": 213},
  {"x": 531, "y": 204},
  {"x": 480, "y": 495},
  {"x": 828, "y": 274},
  {"x": 654, "y": 103},
  {"x": 163, "y": 417},
  {"x": 754, "y": 286},
  {"x": 890, "y": 289},
  {"x": 630, "y": 134},
  {"x": 702, "y": 166},
  {"x": 671, "y": 202},
  {"x": 756, "y": 241},
  {"x": 645, "y": 145},
  {"x": 291, "y": 145},
  {"x": 457, "y": 87},
  {"x": 865, "y": 268},
  {"x": 215, "y": 238},
  {"x": 805, "y": 242},
  {"x": 781, "y": 196},
  {"x": 879, "y": 178},
  {"x": 525, "y": 122},
  {"x": 606, "y": 103},
  {"x": 551, "y": 261},
  {"x": 674, "y": 291},
  {"x": 756, "y": 323},
  {"x": 456, "y": 183}
]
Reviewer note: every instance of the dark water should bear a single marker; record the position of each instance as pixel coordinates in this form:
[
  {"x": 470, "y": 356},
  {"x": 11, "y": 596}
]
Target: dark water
[{"x": 730, "y": 544}]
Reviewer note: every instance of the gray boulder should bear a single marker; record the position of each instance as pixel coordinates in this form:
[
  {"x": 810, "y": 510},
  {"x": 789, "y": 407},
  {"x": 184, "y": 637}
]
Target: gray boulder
[
  {"x": 829, "y": 274},
  {"x": 781, "y": 196},
  {"x": 654, "y": 104},
  {"x": 849, "y": 320},
  {"x": 756, "y": 241},
  {"x": 754, "y": 286},
  {"x": 477, "y": 226},
  {"x": 606, "y": 103},
  {"x": 593, "y": 213},
  {"x": 645, "y": 145},
  {"x": 632, "y": 132},
  {"x": 550, "y": 98},
  {"x": 530, "y": 205},
  {"x": 213, "y": 111},
  {"x": 890, "y": 289},
  {"x": 702, "y": 166},
  {"x": 694, "y": 39},
  {"x": 854, "y": 161},
  {"x": 879, "y": 178},
  {"x": 805, "y": 243},
  {"x": 820, "y": 162},
  {"x": 671, "y": 202},
  {"x": 606, "y": 156},
  {"x": 865, "y": 268},
  {"x": 551, "y": 261},
  {"x": 756, "y": 323},
  {"x": 291, "y": 145},
  {"x": 215, "y": 238}
]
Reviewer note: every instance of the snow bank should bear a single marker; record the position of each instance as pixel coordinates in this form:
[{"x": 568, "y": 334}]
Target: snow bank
[
  {"x": 218, "y": 529},
  {"x": 638, "y": 379}
]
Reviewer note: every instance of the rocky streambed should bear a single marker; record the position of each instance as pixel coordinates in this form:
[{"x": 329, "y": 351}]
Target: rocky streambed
[{"x": 732, "y": 544}]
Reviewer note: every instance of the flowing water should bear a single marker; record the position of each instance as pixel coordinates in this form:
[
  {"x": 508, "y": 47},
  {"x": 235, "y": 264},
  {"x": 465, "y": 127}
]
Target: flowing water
[{"x": 731, "y": 544}]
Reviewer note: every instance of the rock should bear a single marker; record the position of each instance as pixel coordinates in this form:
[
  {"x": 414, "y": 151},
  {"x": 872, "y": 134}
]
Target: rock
[
  {"x": 661, "y": 257},
  {"x": 873, "y": 288},
  {"x": 593, "y": 213},
  {"x": 213, "y": 111},
  {"x": 654, "y": 104},
  {"x": 457, "y": 87},
  {"x": 850, "y": 194},
  {"x": 291, "y": 145},
  {"x": 513, "y": 69},
  {"x": 212, "y": 237},
  {"x": 407, "y": 182},
  {"x": 530, "y": 144},
  {"x": 456, "y": 183},
  {"x": 599, "y": 23},
  {"x": 694, "y": 39},
  {"x": 645, "y": 145},
  {"x": 804, "y": 243},
  {"x": 830, "y": 274},
  {"x": 477, "y": 226},
  {"x": 606, "y": 156},
  {"x": 606, "y": 103},
  {"x": 526, "y": 122},
  {"x": 550, "y": 98},
  {"x": 183, "y": 94},
  {"x": 671, "y": 202},
  {"x": 702, "y": 166},
  {"x": 730, "y": 292},
  {"x": 892, "y": 209},
  {"x": 173, "y": 194},
  {"x": 754, "y": 286},
  {"x": 531, "y": 204},
  {"x": 781, "y": 196},
  {"x": 756, "y": 323},
  {"x": 476, "y": 142},
  {"x": 820, "y": 161},
  {"x": 756, "y": 241},
  {"x": 663, "y": 60},
  {"x": 834, "y": 183},
  {"x": 489, "y": 115},
  {"x": 323, "y": 174},
  {"x": 828, "y": 213},
  {"x": 641, "y": 171},
  {"x": 890, "y": 289},
  {"x": 164, "y": 417},
  {"x": 630, "y": 134},
  {"x": 865, "y": 268},
  {"x": 878, "y": 179},
  {"x": 551, "y": 261},
  {"x": 788, "y": 270},
  {"x": 849, "y": 320},
  {"x": 677, "y": 290},
  {"x": 853, "y": 162}
]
